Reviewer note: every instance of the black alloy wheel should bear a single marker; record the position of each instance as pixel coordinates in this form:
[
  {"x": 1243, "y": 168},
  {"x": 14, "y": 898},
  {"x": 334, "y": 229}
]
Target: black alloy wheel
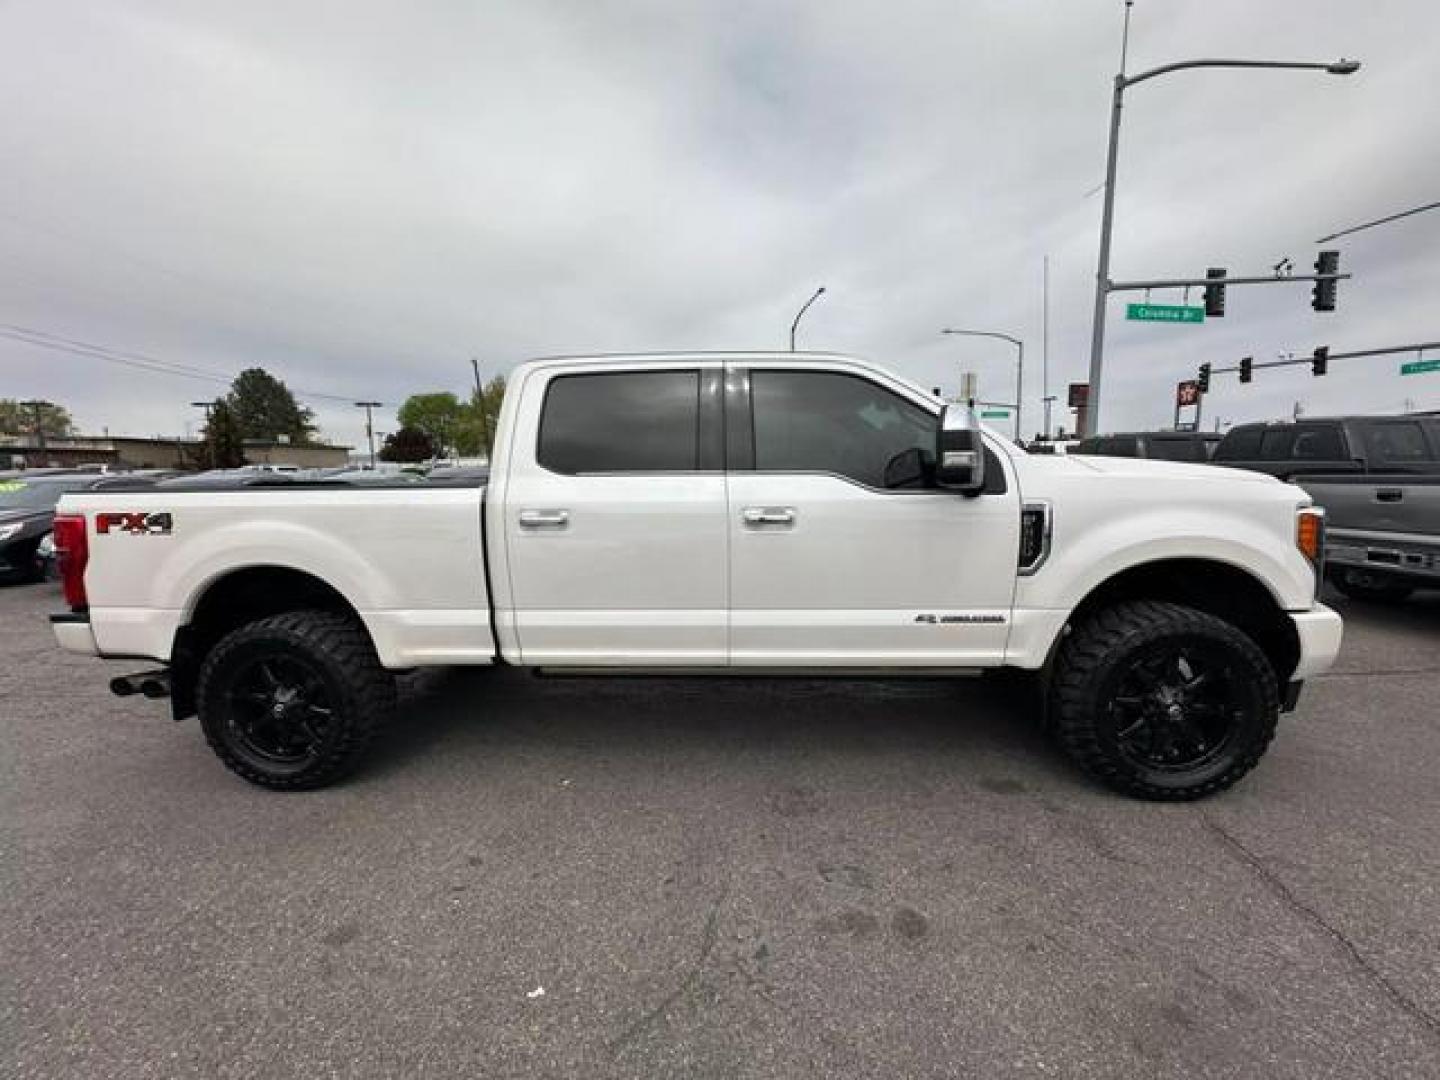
[
  {"x": 292, "y": 701},
  {"x": 1177, "y": 705},
  {"x": 280, "y": 710},
  {"x": 1162, "y": 701}
]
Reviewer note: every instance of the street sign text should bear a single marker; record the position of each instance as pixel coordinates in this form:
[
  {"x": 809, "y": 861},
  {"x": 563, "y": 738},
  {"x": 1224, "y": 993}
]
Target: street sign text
[{"x": 1164, "y": 313}]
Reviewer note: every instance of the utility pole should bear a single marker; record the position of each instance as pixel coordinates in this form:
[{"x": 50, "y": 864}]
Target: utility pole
[
  {"x": 37, "y": 409},
  {"x": 481, "y": 406},
  {"x": 369, "y": 426}
]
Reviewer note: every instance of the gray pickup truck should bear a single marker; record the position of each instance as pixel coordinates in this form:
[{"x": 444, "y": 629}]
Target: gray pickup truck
[
  {"x": 1383, "y": 532},
  {"x": 1378, "y": 479}
]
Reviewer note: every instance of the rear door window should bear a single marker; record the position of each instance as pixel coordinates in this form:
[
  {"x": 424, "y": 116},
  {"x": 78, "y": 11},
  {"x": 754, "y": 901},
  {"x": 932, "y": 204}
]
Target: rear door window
[{"x": 621, "y": 422}]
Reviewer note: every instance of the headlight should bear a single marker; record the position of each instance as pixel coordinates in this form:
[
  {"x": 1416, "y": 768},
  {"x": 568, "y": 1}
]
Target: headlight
[{"x": 7, "y": 531}]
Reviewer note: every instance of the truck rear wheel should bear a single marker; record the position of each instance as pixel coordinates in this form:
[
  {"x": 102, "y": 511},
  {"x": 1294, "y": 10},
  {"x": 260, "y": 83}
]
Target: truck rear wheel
[
  {"x": 292, "y": 701},
  {"x": 1164, "y": 702}
]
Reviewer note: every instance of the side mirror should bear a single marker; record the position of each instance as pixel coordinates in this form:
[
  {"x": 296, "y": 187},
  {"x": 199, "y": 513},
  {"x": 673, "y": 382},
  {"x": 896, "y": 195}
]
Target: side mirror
[{"x": 960, "y": 451}]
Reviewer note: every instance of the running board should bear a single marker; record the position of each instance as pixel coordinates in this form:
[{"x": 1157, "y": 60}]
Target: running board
[{"x": 851, "y": 673}]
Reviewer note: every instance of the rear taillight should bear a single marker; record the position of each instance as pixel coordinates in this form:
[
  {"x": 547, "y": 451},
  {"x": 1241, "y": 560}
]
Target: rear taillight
[{"x": 72, "y": 552}]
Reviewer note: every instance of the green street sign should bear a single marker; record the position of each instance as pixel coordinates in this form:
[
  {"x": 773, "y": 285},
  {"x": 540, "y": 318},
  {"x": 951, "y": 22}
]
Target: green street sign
[
  {"x": 995, "y": 414},
  {"x": 1419, "y": 367},
  {"x": 1164, "y": 313}
]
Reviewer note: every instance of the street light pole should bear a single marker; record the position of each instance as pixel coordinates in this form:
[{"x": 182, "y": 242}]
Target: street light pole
[
  {"x": 800, "y": 314},
  {"x": 370, "y": 427},
  {"x": 1107, "y": 213},
  {"x": 1019, "y": 365},
  {"x": 1045, "y": 396}
]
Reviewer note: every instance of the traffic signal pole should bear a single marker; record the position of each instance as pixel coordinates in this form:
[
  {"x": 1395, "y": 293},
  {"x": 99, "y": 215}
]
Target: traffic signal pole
[
  {"x": 1178, "y": 283},
  {"x": 1103, "y": 284},
  {"x": 1389, "y": 350}
]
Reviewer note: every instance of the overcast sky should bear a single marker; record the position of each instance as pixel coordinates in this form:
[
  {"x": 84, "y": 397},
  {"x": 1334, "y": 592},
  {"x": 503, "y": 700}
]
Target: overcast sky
[{"x": 360, "y": 196}]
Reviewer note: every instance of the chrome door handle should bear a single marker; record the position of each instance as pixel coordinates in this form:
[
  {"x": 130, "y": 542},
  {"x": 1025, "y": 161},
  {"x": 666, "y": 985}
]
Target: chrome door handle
[
  {"x": 757, "y": 516},
  {"x": 544, "y": 519}
]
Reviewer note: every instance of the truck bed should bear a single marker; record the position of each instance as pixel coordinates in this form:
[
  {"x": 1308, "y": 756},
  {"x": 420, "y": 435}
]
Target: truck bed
[{"x": 407, "y": 557}]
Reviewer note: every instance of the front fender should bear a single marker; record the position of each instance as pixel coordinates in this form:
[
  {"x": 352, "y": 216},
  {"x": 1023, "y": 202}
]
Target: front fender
[{"x": 1083, "y": 558}]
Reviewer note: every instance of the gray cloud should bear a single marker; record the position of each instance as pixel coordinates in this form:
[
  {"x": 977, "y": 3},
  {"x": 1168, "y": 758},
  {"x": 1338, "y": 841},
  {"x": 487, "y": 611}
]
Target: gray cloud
[{"x": 361, "y": 196}]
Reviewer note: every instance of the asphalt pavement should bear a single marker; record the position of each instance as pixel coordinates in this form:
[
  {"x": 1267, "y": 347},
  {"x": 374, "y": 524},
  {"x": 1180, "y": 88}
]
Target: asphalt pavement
[{"x": 704, "y": 878}]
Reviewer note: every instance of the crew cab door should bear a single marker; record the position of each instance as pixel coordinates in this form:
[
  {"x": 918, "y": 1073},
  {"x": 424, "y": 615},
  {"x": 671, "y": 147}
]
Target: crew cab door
[
  {"x": 828, "y": 564},
  {"x": 614, "y": 516}
]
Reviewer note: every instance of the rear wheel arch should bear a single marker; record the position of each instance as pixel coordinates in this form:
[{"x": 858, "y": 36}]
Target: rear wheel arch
[{"x": 238, "y": 597}]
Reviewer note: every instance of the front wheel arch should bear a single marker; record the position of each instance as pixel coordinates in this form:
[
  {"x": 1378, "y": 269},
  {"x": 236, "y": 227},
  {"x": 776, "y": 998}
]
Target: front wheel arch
[{"x": 1221, "y": 589}]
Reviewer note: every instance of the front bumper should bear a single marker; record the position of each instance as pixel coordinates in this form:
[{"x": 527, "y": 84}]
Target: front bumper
[
  {"x": 73, "y": 632},
  {"x": 1319, "y": 632}
]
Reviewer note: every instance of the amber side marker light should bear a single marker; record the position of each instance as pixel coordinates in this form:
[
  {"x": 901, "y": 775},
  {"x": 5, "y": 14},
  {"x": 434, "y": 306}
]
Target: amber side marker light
[{"x": 1310, "y": 534}]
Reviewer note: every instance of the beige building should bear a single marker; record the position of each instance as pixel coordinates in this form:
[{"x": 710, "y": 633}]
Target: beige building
[{"x": 131, "y": 452}]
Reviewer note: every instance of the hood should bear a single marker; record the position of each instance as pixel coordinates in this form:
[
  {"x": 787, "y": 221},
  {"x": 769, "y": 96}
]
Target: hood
[{"x": 1144, "y": 468}]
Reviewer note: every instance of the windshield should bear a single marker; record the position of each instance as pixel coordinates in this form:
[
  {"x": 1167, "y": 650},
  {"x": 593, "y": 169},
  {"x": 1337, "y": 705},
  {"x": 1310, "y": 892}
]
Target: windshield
[{"x": 28, "y": 495}]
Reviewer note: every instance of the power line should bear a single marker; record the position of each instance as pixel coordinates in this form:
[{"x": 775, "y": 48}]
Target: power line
[
  {"x": 1379, "y": 221},
  {"x": 142, "y": 361}
]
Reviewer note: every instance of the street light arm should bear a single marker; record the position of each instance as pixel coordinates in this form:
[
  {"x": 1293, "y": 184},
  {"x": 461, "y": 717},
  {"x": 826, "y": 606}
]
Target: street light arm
[
  {"x": 987, "y": 333},
  {"x": 801, "y": 314},
  {"x": 1335, "y": 67},
  {"x": 1019, "y": 364}
]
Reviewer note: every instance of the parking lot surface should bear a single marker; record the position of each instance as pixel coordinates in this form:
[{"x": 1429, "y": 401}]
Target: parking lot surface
[{"x": 754, "y": 878}]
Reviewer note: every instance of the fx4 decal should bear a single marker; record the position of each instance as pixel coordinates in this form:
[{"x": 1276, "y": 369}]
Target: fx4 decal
[{"x": 134, "y": 523}]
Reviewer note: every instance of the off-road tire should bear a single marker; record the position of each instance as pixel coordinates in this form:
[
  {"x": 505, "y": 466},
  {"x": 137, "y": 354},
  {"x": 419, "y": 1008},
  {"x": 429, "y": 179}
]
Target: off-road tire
[
  {"x": 1098, "y": 654},
  {"x": 1372, "y": 585},
  {"x": 339, "y": 652}
]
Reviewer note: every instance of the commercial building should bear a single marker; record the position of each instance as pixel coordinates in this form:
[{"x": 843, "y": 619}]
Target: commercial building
[{"x": 132, "y": 452}]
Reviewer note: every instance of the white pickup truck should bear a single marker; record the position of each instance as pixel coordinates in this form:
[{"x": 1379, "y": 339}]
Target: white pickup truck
[{"x": 704, "y": 513}]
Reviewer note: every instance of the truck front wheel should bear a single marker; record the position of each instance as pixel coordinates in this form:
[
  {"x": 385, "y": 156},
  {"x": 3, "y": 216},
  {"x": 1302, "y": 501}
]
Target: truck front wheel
[
  {"x": 291, "y": 702},
  {"x": 1161, "y": 701}
]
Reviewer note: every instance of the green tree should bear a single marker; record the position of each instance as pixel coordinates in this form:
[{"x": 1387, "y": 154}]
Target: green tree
[
  {"x": 407, "y": 445},
  {"x": 439, "y": 415},
  {"x": 16, "y": 418},
  {"x": 482, "y": 414},
  {"x": 265, "y": 408},
  {"x": 222, "y": 442}
]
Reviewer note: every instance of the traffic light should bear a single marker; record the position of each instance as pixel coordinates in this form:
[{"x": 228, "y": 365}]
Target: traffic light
[
  {"x": 1215, "y": 294},
  {"x": 1247, "y": 369},
  {"x": 1322, "y": 298},
  {"x": 1321, "y": 360},
  {"x": 1204, "y": 378}
]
